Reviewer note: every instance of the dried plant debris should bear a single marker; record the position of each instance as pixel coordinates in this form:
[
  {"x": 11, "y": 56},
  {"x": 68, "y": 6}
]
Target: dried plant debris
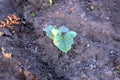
[
  {"x": 27, "y": 74},
  {"x": 14, "y": 20},
  {"x": 9, "y": 21}
]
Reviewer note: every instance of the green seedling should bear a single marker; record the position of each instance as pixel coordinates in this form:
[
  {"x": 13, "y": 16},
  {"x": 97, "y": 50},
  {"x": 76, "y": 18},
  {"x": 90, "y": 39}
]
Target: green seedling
[
  {"x": 62, "y": 37},
  {"x": 32, "y": 14},
  {"x": 51, "y": 2}
]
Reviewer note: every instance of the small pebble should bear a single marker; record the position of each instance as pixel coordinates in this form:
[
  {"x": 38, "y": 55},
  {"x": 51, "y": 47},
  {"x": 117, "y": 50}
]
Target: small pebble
[
  {"x": 92, "y": 66},
  {"x": 13, "y": 31},
  {"x": 91, "y": 7},
  {"x": 111, "y": 51},
  {"x": 88, "y": 45},
  {"x": 107, "y": 18},
  {"x": 84, "y": 76},
  {"x": 109, "y": 73},
  {"x": 78, "y": 62}
]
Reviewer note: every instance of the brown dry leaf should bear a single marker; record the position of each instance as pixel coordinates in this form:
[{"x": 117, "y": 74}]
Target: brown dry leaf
[
  {"x": 7, "y": 55},
  {"x": 14, "y": 20},
  {"x": 29, "y": 75}
]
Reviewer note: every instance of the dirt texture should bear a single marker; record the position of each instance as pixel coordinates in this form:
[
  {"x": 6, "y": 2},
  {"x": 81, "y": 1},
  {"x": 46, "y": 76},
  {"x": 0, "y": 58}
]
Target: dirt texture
[{"x": 26, "y": 53}]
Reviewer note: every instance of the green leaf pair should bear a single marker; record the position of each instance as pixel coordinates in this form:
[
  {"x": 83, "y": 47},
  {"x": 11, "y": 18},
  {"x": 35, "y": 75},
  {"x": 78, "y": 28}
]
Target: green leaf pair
[{"x": 62, "y": 37}]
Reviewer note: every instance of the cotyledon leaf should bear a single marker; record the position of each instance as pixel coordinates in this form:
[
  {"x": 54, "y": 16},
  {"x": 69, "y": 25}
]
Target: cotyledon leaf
[
  {"x": 64, "y": 29},
  {"x": 64, "y": 42},
  {"x": 48, "y": 31},
  {"x": 56, "y": 32}
]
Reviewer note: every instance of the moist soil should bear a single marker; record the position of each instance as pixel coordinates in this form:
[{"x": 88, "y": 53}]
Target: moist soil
[{"x": 95, "y": 55}]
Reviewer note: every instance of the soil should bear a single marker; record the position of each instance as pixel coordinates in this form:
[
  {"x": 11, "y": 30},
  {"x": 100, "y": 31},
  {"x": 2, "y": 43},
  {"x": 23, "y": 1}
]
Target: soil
[{"x": 31, "y": 55}]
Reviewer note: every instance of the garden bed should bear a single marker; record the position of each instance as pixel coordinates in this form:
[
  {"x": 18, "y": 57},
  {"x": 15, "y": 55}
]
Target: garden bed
[{"x": 95, "y": 55}]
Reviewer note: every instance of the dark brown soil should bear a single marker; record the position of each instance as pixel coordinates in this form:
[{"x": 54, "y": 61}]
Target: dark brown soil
[{"x": 95, "y": 54}]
